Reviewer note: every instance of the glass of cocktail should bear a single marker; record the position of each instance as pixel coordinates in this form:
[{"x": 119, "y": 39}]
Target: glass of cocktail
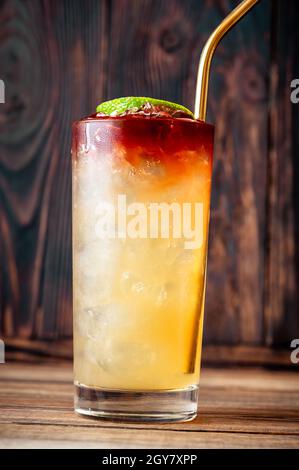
[{"x": 141, "y": 195}]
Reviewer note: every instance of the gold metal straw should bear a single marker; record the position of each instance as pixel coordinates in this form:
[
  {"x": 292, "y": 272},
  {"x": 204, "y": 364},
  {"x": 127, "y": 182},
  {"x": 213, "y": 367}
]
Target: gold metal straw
[{"x": 203, "y": 73}]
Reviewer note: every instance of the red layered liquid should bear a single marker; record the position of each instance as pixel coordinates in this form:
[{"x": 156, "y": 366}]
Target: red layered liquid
[{"x": 169, "y": 141}]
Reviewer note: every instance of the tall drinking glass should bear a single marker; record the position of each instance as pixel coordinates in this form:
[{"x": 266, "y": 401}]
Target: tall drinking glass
[{"x": 141, "y": 197}]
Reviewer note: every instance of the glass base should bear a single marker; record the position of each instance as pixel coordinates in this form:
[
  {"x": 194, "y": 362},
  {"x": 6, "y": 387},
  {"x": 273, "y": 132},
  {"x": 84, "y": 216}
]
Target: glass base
[{"x": 162, "y": 406}]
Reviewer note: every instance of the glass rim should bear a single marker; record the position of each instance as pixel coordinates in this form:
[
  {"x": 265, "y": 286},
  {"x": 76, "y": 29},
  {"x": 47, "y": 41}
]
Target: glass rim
[{"x": 132, "y": 118}]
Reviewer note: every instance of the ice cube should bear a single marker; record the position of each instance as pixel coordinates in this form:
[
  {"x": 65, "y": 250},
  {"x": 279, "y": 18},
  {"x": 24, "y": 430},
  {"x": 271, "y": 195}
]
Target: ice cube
[
  {"x": 114, "y": 356},
  {"x": 95, "y": 258},
  {"x": 162, "y": 296},
  {"x": 88, "y": 322},
  {"x": 127, "y": 281},
  {"x": 108, "y": 328},
  {"x": 92, "y": 179},
  {"x": 101, "y": 321},
  {"x": 139, "y": 287},
  {"x": 91, "y": 291}
]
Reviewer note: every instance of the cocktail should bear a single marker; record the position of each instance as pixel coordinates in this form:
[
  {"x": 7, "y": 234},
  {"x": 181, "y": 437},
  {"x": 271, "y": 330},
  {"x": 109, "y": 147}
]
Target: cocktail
[{"x": 141, "y": 195}]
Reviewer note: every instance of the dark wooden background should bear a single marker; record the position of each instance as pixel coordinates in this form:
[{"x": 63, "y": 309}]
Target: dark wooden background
[{"x": 59, "y": 58}]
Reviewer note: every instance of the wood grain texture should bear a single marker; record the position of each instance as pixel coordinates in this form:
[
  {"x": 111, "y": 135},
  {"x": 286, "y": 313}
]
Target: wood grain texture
[
  {"x": 43, "y": 352},
  {"x": 53, "y": 57},
  {"x": 238, "y": 408},
  {"x": 281, "y": 293},
  {"x": 58, "y": 59},
  {"x": 238, "y": 105}
]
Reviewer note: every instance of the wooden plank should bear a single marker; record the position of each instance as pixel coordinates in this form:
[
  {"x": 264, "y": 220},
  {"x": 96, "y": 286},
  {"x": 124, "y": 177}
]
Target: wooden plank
[
  {"x": 38, "y": 349},
  {"x": 205, "y": 423},
  {"x": 238, "y": 104},
  {"x": 246, "y": 355},
  {"x": 18, "y": 436},
  {"x": 43, "y": 351},
  {"x": 53, "y": 56},
  {"x": 239, "y": 408},
  {"x": 281, "y": 295}
]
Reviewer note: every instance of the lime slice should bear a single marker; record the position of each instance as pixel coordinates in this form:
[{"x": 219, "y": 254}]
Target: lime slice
[{"x": 136, "y": 103}]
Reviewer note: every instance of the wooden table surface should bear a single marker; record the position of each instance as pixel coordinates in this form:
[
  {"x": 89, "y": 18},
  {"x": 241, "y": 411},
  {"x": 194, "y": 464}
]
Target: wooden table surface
[{"x": 238, "y": 408}]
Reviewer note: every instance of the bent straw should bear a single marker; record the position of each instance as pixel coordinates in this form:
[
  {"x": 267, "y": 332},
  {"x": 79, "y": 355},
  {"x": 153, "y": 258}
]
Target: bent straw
[{"x": 203, "y": 73}]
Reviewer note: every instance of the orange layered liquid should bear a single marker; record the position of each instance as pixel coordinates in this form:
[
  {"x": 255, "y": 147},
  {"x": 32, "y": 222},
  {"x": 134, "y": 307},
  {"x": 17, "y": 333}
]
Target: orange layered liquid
[{"x": 138, "y": 303}]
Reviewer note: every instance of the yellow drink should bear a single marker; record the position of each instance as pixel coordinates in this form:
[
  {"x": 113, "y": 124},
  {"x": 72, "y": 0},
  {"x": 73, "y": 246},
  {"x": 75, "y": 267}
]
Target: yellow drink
[{"x": 139, "y": 290}]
